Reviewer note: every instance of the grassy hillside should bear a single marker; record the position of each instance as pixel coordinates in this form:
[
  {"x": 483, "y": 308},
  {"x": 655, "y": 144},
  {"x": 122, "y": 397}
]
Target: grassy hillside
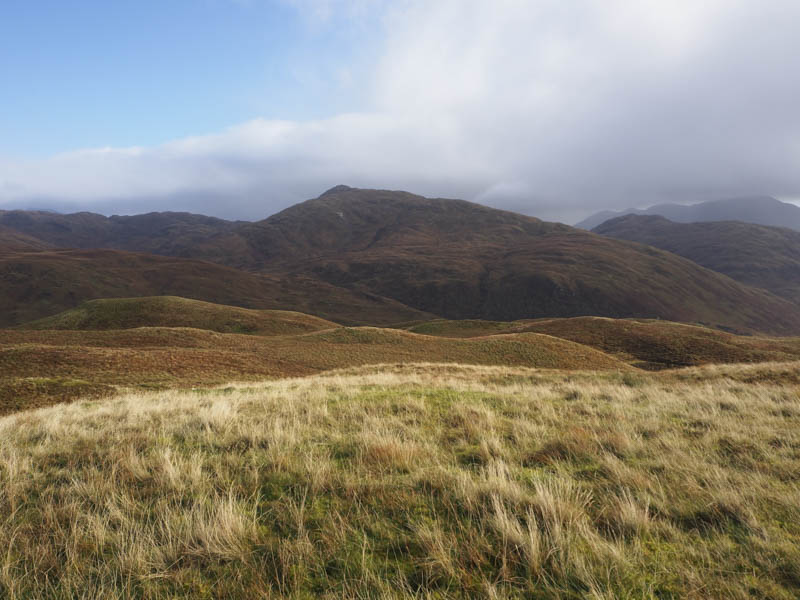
[
  {"x": 422, "y": 481},
  {"x": 42, "y": 367},
  {"x": 39, "y": 284},
  {"x": 761, "y": 256},
  {"x": 171, "y": 311}
]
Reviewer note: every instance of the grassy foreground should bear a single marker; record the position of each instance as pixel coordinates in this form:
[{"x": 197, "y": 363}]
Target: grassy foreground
[{"x": 430, "y": 481}]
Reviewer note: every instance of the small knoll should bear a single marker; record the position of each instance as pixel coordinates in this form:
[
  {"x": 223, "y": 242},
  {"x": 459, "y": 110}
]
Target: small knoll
[
  {"x": 662, "y": 344},
  {"x": 368, "y": 345},
  {"x": 465, "y": 328},
  {"x": 645, "y": 343},
  {"x": 173, "y": 311}
]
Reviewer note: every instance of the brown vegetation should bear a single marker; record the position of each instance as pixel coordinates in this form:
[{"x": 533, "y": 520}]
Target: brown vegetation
[
  {"x": 39, "y": 284},
  {"x": 648, "y": 344},
  {"x": 760, "y": 256},
  {"x": 378, "y": 257},
  {"x": 172, "y": 311},
  {"x": 158, "y": 357}
]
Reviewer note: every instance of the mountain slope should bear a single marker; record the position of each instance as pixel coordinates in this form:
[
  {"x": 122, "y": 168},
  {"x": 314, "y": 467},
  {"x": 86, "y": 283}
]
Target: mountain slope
[
  {"x": 166, "y": 233},
  {"x": 12, "y": 241},
  {"x": 38, "y": 284},
  {"x": 406, "y": 257},
  {"x": 761, "y": 256},
  {"x": 761, "y": 210},
  {"x": 464, "y": 261}
]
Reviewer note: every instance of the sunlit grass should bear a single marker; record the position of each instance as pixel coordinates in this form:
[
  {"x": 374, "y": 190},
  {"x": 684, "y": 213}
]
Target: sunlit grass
[{"x": 412, "y": 481}]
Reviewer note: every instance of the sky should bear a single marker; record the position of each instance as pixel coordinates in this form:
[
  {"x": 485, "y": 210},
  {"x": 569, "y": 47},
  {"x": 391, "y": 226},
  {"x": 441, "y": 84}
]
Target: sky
[{"x": 240, "y": 108}]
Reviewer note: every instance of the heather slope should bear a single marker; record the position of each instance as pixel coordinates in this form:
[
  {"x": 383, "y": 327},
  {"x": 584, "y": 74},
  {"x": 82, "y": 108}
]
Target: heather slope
[
  {"x": 12, "y": 241},
  {"x": 465, "y": 261},
  {"x": 38, "y": 284},
  {"x": 760, "y": 256}
]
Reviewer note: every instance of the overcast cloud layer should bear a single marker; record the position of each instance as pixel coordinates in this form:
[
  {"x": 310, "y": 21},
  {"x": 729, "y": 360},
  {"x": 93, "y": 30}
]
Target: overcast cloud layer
[{"x": 550, "y": 107}]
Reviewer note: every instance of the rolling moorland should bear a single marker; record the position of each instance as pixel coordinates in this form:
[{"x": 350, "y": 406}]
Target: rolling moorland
[
  {"x": 162, "y": 342},
  {"x": 330, "y": 413}
]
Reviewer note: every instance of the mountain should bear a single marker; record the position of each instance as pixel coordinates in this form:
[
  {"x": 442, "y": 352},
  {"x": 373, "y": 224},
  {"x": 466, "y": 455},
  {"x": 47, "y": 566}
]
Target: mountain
[
  {"x": 373, "y": 256},
  {"x": 761, "y": 210},
  {"x": 38, "y": 284},
  {"x": 12, "y": 241},
  {"x": 758, "y": 255},
  {"x": 461, "y": 260},
  {"x": 180, "y": 234}
]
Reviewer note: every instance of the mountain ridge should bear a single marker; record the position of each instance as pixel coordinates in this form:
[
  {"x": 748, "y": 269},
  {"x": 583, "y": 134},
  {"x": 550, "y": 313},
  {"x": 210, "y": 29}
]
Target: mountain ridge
[
  {"x": 759, "y": 210},
  {"x": 757, "y": 255},
  {"x": 392, "y": 252}
]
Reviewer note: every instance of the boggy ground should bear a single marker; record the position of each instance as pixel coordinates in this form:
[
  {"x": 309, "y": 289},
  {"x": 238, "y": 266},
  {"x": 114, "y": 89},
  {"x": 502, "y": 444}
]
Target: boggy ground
[{"x": 426, "y": 480}]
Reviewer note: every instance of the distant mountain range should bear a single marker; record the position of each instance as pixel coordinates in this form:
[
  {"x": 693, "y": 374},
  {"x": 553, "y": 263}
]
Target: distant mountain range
[
  {"x": 373, "y": 257},
  {"x": 761, "y": 256},
  {"x": 761, "y": 210}
]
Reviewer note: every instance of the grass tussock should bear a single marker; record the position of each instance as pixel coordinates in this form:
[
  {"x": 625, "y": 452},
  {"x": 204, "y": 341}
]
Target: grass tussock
[{"x": 429, "y": 481}]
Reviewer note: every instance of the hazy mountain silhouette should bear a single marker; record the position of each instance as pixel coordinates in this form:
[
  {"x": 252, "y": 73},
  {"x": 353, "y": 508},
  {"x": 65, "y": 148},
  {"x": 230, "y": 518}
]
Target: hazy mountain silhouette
[{"x": 761, "y": 210}]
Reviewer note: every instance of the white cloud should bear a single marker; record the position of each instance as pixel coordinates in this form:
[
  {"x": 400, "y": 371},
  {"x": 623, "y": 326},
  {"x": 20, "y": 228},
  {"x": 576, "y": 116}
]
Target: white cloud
[{"x": 545, "y": 106}]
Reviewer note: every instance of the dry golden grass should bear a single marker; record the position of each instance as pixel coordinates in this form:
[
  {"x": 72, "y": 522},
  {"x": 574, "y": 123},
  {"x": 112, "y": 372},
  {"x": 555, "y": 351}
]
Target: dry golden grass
[{"x": 429, "y": 481}]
